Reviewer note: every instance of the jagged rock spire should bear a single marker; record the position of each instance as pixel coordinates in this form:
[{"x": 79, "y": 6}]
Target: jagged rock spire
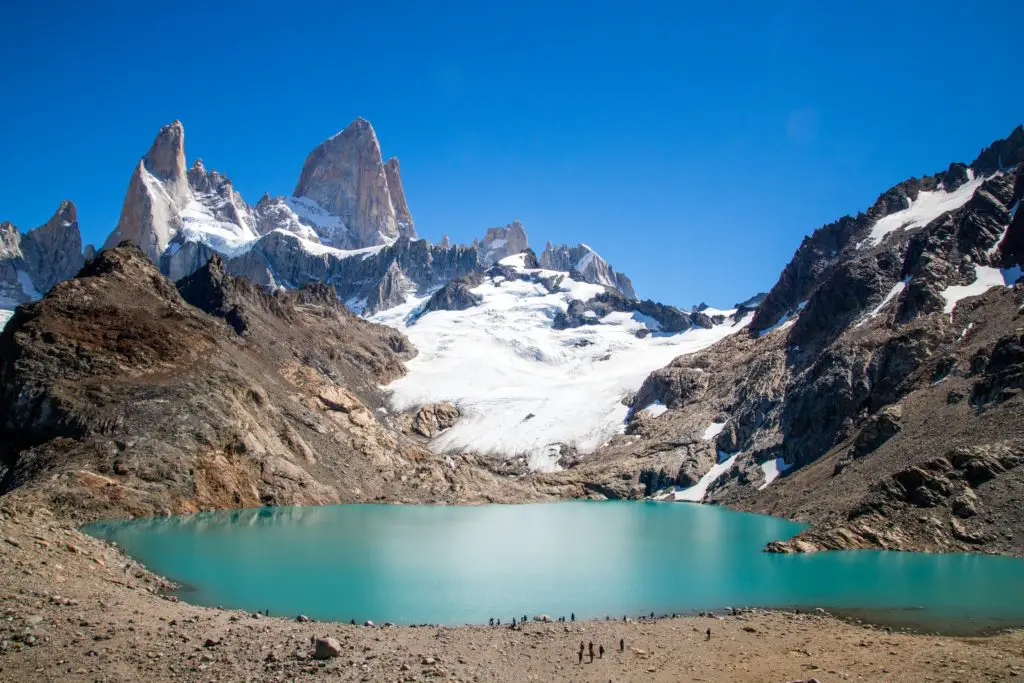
[
  {"x": 346, "y": 176},
  {"x": 406, "y": 227},
  {"x": 150, "y": 218}
]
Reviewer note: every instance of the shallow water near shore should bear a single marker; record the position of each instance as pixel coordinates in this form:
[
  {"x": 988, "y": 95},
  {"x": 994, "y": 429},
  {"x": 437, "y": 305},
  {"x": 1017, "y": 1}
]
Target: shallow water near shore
[{"x": 453, "y": 565}]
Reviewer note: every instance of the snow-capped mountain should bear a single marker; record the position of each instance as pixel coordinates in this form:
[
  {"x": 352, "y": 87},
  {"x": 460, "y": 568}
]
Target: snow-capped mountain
[
  {"x": 32, "y": 263},
  {"x": 524, "y": 386},
  {"x": 348, "y": 224}
]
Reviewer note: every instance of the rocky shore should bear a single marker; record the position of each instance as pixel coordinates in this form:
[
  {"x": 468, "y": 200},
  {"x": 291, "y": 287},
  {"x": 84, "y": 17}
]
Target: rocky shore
[{"x": 75, "y": 609}]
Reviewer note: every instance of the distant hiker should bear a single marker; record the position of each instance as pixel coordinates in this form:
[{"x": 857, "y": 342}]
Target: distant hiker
[
  {"x": 591, "y": 652},
  {"x": 524, "y": 619},
  {"x": 708, "y": 636},
  {"x": 581, "y": 652},
  {"x": 652, "y": 615},
  {"x": 353, "y": 622},
  {"x": 573, "y": 616},
  {"x": 607, "y": 618},
  {"x": 513, "y": 622},
  {"x": 623, "y": 618},
  {"x": 622, "y": 645},
  {"x": 498, "y": 622},
  {"x": 600, "y": 651},
  {"x": 491, "y": 622}
]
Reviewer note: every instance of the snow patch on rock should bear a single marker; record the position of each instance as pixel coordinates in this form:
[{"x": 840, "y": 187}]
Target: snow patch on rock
[
  {"x": 986, "y": 278},
  {"x": 713, "y": 430},
  {"x": 697, "y": 492},
  {"x": 927, "y": 207},
  {"x": 771, "y": 469}
]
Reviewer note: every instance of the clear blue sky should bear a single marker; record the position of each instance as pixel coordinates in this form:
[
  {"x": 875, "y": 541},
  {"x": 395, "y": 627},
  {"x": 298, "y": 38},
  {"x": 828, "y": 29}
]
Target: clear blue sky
[{"x": 693, "y": 146}]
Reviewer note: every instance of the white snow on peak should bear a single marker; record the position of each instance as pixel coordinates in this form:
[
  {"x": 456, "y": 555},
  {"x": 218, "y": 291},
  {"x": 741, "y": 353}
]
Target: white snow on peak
[
  {"x": 713, "y": 430},
  {"x": 586, "y": 259},
  {"x": 771, "y": 469},
  {"x": 318, "y": 249},
  {"x": 316, "y": 215},
  {"x": 515, "y": 261},
  {"x": 200, "y": 225},
  {"x": 523, "y": 387},
  {"x": 986, "y": 278},
  {"x": 711, "y": 312},
  {"x": 696, "y": 493},
  {"x": 927, "y": 207},
  {"x": 5, "y": 315}
]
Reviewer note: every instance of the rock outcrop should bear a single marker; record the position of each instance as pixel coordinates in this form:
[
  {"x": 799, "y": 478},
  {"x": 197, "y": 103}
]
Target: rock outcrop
[
  {"x": 667, "y": 318},
  {"x": 501, "y": 242},
  {"x": 456, "y": 295},
  {"x": 430, "y": 420},
  {"x": 586, "y": 265}
]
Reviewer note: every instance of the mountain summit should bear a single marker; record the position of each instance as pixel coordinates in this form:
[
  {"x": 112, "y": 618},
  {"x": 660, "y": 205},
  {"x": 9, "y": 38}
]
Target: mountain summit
[{"x": 346, "y": 176}]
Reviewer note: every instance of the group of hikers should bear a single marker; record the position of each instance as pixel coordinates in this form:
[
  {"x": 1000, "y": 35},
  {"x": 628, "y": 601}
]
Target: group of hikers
[{"x": 589, "y": 648}]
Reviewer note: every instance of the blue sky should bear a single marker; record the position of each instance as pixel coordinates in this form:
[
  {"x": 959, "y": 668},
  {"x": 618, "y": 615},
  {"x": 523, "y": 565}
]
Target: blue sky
[{"x": 692, "y": 146}]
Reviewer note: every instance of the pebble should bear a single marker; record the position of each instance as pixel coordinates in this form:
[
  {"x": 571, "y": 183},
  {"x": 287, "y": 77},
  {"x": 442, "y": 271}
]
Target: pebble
[{"x": 326, "y": 648}]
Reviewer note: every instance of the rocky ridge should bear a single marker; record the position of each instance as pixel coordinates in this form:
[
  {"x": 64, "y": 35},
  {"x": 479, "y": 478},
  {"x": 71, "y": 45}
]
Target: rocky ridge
[
  {"x": 873, "y": 397},
  {"x": 281, "y": 389},
  {"x": 587, "y": 266}
]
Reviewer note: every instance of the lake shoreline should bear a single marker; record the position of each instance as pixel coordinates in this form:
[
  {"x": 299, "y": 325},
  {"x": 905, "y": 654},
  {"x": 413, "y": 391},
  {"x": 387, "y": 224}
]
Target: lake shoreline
[
  {"x": 76, "y": 613},
  {"x": 965, "y": 595}
]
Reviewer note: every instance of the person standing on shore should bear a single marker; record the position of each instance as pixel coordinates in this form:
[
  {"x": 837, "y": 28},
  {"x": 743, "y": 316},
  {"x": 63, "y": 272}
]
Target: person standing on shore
[
  {"x": 708, "y": 634},
  {"x": 581, "y": 652},
  {"x": 600, "y": 651},
  {"x": 622, "y": 644},
  {"x": 591, "y": 652}
]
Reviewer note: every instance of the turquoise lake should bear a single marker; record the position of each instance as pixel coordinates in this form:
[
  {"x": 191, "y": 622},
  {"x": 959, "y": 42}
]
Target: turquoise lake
[{"x": 455, "y": 565}]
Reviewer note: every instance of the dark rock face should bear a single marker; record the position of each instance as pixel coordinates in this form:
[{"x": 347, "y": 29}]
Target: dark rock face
[
  {"x": 279, "y": 259},
  {"x": 877, "y": 430},
  {"x": 673, "y": 387},
  {"x": 1003, "y": 374},
  {"x": 844, "y": 294},
  {"x": 955, "y": 176},
  {"x": 390, "y": 291},
  {"x": 669, "y": 318},
  {"x": 456, "y": 295}
]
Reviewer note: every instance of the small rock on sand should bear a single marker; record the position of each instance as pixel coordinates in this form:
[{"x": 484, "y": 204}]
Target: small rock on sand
[{"x": 326, "y": 648}]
